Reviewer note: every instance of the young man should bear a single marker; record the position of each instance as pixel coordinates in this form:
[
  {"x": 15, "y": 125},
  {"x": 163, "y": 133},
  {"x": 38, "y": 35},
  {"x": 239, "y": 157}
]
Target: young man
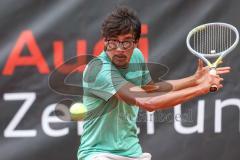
[{"x": 117, "y": 83}]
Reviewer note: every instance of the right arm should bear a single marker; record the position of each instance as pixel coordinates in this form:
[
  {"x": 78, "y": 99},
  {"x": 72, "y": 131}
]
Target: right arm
[
  {"x": 191, "y": 81},
  {"x": 152, "y": 101}
]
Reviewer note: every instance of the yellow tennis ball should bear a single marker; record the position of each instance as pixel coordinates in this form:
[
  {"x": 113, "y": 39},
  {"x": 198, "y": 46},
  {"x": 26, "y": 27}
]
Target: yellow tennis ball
[{"x": 78, "y": 111}]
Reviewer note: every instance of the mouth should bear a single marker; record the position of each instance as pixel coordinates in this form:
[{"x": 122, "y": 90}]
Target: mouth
[{"x": 120, "y": 58}]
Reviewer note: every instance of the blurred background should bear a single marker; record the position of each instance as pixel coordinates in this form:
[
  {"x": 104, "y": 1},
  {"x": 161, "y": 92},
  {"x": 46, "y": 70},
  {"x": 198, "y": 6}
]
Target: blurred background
[{"x": 36, "y": 37}]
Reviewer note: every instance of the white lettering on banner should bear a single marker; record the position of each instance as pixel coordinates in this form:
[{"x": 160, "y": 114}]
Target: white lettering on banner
[
  {"x": 80, "y": 127},
  {"x": 150, "y": 123},
  {"x": 218, "y": 112},
  {"x": 199, "y": 127},
  {"x": 28, "y": 99},
  {"x": 47, "y": 119}
]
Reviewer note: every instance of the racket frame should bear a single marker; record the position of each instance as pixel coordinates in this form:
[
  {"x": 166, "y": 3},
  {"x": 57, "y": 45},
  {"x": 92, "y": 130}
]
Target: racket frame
[{"x": 219, "y": 55}]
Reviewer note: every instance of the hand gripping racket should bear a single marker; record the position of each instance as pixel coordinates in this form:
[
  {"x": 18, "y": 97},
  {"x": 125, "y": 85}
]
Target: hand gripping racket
[{"x": 211, "y": 42}]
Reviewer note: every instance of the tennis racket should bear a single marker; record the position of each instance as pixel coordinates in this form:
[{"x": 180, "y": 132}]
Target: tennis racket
[{"x": 211, "y": 42}]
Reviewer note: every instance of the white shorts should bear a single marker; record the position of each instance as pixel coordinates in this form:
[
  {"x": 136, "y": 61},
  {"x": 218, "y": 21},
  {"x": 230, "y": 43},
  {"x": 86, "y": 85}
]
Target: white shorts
[{"x": 108, "y": 156}]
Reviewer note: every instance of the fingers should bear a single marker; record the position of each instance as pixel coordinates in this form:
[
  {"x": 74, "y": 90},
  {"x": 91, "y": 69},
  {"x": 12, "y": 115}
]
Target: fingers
[
  {"x": 220, "y": 86},
  {"x": 223, "y": 70},
  {"x": 216, "y": 80}
]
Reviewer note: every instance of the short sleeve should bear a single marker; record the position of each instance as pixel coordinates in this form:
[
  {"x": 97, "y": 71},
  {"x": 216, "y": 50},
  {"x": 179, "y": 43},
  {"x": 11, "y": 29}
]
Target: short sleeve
[
  {"x": 146, "y": 76},
  {"x": 102, "y": 79}
]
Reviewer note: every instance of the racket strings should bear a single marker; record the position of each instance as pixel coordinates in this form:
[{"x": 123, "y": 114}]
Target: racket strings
[{"x": 212, "y": 39}]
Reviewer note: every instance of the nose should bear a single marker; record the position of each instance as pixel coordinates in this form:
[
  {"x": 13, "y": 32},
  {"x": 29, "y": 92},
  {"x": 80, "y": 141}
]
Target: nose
[{"x": 120, "y": 49}]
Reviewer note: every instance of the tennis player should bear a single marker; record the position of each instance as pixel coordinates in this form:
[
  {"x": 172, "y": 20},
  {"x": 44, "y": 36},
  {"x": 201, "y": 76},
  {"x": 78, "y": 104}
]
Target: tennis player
[{"x": 118, "y": 83}]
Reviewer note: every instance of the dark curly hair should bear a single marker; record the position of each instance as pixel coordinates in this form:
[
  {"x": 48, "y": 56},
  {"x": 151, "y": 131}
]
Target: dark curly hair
[{"x": 122, "y": 20}]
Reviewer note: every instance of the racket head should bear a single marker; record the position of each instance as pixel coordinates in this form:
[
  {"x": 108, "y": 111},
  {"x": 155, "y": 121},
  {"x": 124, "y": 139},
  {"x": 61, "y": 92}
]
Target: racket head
[{"x": 212, "y": 40}]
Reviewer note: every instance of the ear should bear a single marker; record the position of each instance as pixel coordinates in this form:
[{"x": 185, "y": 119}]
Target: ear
[
  {"x": 104, "y": 44},
  {"x": 104, "y": 40}
]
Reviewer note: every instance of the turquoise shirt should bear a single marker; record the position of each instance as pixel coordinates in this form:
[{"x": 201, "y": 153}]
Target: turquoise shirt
[{"x": 110, "y": 125}]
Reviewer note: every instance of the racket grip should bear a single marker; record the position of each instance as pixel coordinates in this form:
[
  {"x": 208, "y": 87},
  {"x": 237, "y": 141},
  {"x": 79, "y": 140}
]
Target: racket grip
[{"x": 213, "y": 88}]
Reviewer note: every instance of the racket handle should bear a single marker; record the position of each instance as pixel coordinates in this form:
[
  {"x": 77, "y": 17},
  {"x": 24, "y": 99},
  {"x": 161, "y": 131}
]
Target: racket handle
[{"x": 214, "y": 87}]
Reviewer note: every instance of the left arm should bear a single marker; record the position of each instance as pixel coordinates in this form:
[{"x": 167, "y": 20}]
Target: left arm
[
  {"x": 170, "y": 85},
  {"x": 191, "y": 81}
]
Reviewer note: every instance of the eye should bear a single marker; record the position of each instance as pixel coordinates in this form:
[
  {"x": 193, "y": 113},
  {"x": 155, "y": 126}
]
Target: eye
[
  {"x": 127, "y": 44},
  {"x": 112, "y": 44}
]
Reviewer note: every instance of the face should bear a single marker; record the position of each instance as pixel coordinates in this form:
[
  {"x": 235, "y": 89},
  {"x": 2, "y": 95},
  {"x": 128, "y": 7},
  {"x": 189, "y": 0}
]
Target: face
[{"x": 120, "y": 49}]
